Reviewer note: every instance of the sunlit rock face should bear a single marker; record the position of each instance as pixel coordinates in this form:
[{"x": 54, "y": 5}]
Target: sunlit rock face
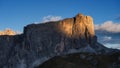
[
  {"x": 40, "y": 42},
  {"x": 83, "y": 25},
  {"x": 7, "y": 32},
  {"x": 78, "y": 27},
  {"x": 66, "y": 26}
]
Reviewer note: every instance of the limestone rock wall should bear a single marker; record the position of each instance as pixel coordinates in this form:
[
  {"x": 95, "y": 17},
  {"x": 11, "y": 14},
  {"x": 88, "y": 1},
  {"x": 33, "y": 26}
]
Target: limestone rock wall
[{"x": 39, "y": 42}]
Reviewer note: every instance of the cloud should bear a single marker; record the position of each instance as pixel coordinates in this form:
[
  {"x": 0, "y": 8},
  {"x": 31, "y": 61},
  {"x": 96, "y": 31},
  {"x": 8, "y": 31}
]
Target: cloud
[
  {"x": 51, "y": 18},
  {"x": 107, "y": 38},
  {"x": 109, "y": 26},
  {"x": 114, "y": 46}
]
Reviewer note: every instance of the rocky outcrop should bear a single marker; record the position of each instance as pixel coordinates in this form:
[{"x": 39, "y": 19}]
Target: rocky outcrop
[{"x": 40, "y": 42}]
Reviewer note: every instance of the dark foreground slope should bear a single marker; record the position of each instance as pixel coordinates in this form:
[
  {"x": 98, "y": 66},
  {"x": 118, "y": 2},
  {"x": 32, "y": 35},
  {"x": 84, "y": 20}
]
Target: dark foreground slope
[
  {"x": 41, "y": 42},
  {"x": 83, "y": 60}
]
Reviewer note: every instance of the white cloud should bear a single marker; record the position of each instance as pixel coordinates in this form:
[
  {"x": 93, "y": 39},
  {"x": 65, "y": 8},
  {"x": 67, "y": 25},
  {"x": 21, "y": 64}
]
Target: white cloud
[
  {"x": 114, "y": 46},
  {"x": 109, "y": 26},
  {"x": 107, "y": 38},
  {"x": 51, "y": 18}
]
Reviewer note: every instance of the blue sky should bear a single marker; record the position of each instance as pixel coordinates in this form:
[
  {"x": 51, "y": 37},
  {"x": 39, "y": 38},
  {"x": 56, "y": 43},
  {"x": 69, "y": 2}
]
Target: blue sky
[{"x": 15, "y": 14}]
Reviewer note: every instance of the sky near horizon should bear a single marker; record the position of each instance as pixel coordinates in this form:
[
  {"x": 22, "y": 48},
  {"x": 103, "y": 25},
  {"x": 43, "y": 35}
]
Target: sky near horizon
[{"x": 16, "y": 14}]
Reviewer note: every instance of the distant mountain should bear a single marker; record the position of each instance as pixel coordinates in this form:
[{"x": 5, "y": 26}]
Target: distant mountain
[
  {"x": 41, "y": 42},
  {"x": 7, "y": 32}
]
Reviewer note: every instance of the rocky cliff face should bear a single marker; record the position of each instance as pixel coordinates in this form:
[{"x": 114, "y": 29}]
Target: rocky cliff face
[{"x": 40, "y": 42}]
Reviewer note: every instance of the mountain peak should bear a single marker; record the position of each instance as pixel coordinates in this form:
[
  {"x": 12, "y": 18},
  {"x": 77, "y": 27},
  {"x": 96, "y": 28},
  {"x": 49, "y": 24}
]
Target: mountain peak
[
  {"x": 7, "y": 32},
  {"x": 79, "y": 15}
]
